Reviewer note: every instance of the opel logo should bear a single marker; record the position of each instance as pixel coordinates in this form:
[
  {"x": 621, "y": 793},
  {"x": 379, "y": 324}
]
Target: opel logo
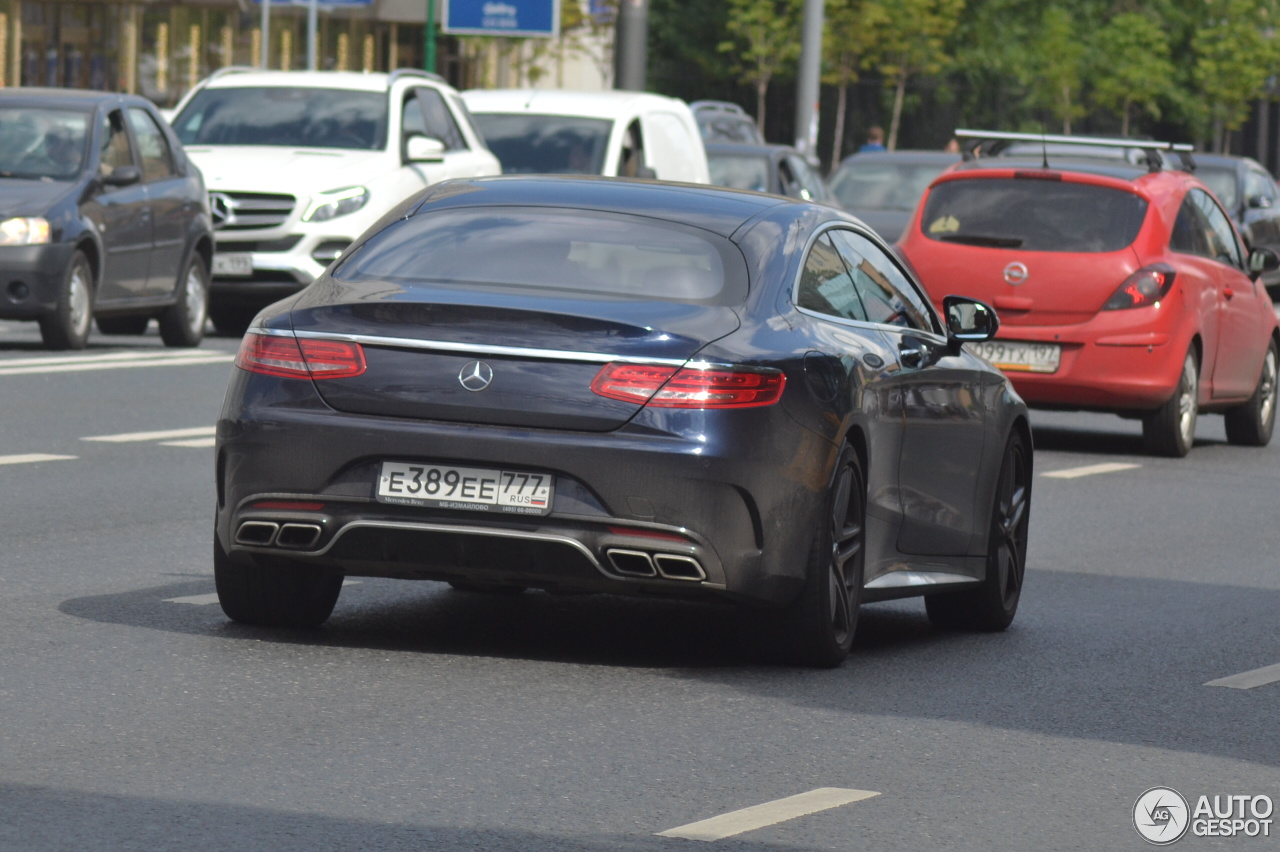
[
  {"x": 1015, "y": 273},
  {"x": 222, "y": 209},
  {"x": 475, "y": 376}
]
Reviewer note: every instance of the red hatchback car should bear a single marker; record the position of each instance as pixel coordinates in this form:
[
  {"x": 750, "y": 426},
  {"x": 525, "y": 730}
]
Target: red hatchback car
[{"x": 1120, "y": 282}]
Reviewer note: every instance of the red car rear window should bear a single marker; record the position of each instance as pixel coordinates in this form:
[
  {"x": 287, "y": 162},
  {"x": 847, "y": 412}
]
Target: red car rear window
[{"x": 1033, "y": 215}]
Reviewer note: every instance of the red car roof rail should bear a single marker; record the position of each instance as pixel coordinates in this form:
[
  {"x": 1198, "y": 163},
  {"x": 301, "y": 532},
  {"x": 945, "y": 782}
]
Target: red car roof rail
[{"x": 1155, "y": 162}]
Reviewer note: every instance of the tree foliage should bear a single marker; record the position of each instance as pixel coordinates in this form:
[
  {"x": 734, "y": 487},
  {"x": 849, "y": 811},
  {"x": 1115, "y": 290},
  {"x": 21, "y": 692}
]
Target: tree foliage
[
  {"x": 911, "y": 39},
  {"x": 764, "y": 42},
  {"x": 1141, "y": 72}
]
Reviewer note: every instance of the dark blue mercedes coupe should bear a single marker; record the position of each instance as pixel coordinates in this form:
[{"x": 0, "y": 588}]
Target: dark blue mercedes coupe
[{"x": 629, "y": 387}]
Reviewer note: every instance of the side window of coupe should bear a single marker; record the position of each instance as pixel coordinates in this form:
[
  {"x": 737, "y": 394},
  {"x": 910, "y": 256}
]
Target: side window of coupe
[
  {"x": 826, "y": 286},
  {"x": 115, "y": 144},
  {"x": 157, "y": 161},
  {"x": 887, "y": 295}
]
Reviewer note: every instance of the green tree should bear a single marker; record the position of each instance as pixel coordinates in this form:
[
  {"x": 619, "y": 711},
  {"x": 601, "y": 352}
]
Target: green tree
[
  {"x": 1133, "y": 67},
  {"x": 766, "y": 41},
  {"x": 1052, "y": 72},
  {"x": 1235, "y": 52},
  {"x": 848, "y": 33},
  {"x": 910, "y": 41}
]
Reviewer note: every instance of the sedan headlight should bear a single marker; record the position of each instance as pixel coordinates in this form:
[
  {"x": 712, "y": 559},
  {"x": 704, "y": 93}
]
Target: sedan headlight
[
  {"x": 24, "y": 232},
  {"x": 335, "y": 203}
]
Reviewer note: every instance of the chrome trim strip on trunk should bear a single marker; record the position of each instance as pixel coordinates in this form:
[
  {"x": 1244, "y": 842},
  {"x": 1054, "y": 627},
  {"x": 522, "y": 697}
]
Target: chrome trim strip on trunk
[{"x": 483, "y": 349}]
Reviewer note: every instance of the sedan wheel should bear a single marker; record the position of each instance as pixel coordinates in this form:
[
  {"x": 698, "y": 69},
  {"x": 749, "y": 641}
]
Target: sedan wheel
[
  {"x": 1170, "y": 430},
  {"x": 182, "y": 323},
  {"x": 993, "y": 605},
  {"x": 68, "y": 326},
  {"x": 1251, "y": 424}
]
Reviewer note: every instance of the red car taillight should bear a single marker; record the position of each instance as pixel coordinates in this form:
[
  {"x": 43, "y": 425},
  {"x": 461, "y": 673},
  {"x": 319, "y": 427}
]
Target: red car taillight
[
  {"x": 291, "y": 358},
  {"x": 1145, "y": 287},
  {"x": 689, "y": 387}
]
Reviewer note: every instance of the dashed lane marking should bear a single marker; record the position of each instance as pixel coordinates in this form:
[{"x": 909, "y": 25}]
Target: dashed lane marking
[
  {"x": 29, "y": 458},
  {"x": 191, "y": 442},
  {"x": 206, "y": 432},
  {"x": 1250, "y": 679},
  {"x": 212, "y": 597},
  {"x": 770, "y": 813},
  {"x": 111, "y": 361},
  {"x": 1090, "y": 470}
]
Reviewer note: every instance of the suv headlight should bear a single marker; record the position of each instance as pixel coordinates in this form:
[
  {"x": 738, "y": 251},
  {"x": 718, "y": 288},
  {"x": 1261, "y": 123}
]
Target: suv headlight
[
  {"x": 24, "y": 232},
  {"x": 335, "y": 203}
]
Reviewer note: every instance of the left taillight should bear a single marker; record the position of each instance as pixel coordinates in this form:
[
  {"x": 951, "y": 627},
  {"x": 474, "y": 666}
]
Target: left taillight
[
  {"x": 293, "y": 358},
  {"x": 1145, "y": 287},
  {"x": 690, "y": 387}
]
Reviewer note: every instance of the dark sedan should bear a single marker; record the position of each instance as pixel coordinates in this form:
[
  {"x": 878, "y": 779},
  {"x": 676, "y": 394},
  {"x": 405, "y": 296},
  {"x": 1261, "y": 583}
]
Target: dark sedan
[
  {"x": 101, "y": 215},
  {"x": 779, "y": 169},
  {"x": 579, "y": 384},
  {"x": 882, "y": 188},
  {"x": 1250, "y": 195}
]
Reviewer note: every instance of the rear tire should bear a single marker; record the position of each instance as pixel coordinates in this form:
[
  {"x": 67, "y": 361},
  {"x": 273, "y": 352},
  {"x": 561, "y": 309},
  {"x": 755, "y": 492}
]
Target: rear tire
[
  {"x": 1251, "y": 424},
  {"x": 1170, "y": 430},
  {"x": 182, "y": 323},
  {"x": 68, "y": 326},
  {"x": 123, "y": 325},
  {"x": 274, "y": 593},
  {"x": 992, "y": 606}
]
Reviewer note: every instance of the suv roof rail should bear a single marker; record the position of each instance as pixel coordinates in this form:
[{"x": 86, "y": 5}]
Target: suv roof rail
[
  {"x": 1153, "y": 148},
  {"x": 414, "y": 72},
  {"x": 231, "y": 69}
]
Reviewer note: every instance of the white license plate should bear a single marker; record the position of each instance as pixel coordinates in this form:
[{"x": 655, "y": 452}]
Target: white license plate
[
  {"x": 1014, "y": 355},
  {"x": 233, "y": 264},
  {"x": 470, "y": 488}
]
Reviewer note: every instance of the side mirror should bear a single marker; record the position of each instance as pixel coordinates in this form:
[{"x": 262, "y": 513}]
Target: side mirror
[
  {"x": 1262, "y": 260},
  {"x": 1258, "y": 202},
  {"x": 123, "y": 176},
  {"x": 423, "y": 149},
  {"x": 969, "y": 320}
]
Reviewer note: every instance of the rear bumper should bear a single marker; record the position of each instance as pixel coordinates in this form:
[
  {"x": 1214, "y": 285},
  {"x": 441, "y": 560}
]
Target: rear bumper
[{"x": 687, "y": 512}]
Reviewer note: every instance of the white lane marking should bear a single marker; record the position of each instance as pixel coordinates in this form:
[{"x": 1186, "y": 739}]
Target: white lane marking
[
  {"x": 159, "y": 355},
  {"x": 191, "y": 442},
  {"x": 194, "y": 432},
  {"x": 212, "y": 597},
  {"x": 28, "y": 458},
  {"x": 1250, "y": 679},
  {"x": 770, "y": 813},
  {"x": 110, "y": 363},
  {"x": 1090, "y": 470}
]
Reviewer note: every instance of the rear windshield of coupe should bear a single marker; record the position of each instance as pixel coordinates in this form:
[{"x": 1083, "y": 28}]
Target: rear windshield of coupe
[
  {"x": 552, "y": 252},
  {"x": 1032, "y": 215}
]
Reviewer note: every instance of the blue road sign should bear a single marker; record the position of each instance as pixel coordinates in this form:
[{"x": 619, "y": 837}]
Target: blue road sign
[{"x": 522, "y": 18}]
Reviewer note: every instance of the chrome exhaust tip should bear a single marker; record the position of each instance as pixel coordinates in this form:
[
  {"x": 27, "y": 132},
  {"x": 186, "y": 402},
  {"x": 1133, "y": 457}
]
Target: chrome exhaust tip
[
  {"x": 675, "y": 567},
  {"x": 257, "y": 533},
  {"x": 632, "y": 563},
  {"x": 298, "y": 536}
]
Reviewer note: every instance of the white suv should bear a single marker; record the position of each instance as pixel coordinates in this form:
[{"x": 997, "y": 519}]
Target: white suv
[{"x": 300, "y": 163}]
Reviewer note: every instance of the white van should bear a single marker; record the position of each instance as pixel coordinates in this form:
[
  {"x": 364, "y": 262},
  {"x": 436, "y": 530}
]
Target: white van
[{"x": 612, "y": 133}]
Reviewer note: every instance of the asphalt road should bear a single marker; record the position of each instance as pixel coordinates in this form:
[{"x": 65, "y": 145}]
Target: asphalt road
[{"x": 133, "y": 715}]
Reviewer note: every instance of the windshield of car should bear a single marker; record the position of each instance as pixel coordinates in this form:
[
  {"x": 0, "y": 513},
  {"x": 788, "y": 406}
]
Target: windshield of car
[
  {"x": 545, "y": 144},
  {"x": 295, "y": 117},
  {"x": 1222, "y": 182},
  {"x": 42, "y": 144},
  {"x": 881, "y": 185},
  {"x": 569, "y": 253},
  {"x": 740, "y": 171},
  {"x": 1033, "y": 215}
]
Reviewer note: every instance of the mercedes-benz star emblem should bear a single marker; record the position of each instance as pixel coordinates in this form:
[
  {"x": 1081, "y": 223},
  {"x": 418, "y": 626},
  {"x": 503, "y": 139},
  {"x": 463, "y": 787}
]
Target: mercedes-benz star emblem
[
  {"x": 221, "y": 209},
  {"x": 475, "y": 376},
  {"x": 1015, "y": 273}
]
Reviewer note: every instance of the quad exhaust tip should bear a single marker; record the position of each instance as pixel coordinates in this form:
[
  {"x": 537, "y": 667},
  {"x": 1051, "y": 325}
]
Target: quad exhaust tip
[
  {"x": 271, "y": 534},
  {"x": 257, "y": 533},
  {"x": 669, "y": 566}
]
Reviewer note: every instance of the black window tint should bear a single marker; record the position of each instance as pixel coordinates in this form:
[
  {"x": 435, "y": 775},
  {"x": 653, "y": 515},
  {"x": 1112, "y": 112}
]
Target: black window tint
[
  {"x": 157, "y": 161},
  {"x": 546, "y": 144},
  {"x": 886, "y": 294},
  {"x": 439, "y": 121},
  {"x": 1033, "y": 215},
  {"x": 826, "y": 285},
  {"x": 584, "y": 255}
]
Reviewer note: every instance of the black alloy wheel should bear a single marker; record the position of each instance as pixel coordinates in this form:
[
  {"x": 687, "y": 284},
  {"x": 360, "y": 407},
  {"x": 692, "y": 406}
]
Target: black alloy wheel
[
  {"x": 1251, "y": 424},
  {"x": 992, "y": 605},
  {"x": 274, "y": 591},
  {"x": 68, "y": 326}
]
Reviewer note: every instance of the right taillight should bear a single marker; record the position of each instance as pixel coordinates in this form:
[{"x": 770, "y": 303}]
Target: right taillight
[
  {"x": 1145, "y": 287},
  {"x": 291, "y": 358},
  {"x": 690, "y": 387}
]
